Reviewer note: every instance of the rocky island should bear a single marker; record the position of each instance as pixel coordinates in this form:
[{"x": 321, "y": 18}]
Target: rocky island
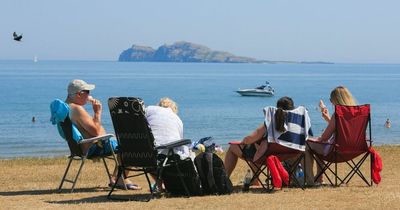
[
  {"x": 181, "y": 52},
  {"x": 190, "y": 52}
]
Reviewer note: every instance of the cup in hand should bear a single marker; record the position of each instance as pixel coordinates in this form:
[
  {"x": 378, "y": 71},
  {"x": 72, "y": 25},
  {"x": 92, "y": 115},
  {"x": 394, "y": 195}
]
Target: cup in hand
[
  {"x": 90, "y": 99},
  {"x": 321, "y": 105}
]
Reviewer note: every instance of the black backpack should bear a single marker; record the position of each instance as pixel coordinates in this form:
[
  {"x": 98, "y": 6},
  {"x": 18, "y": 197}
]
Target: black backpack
[
  {"x": 173, "y": 184},
  {"x": 212, "y": 174}
]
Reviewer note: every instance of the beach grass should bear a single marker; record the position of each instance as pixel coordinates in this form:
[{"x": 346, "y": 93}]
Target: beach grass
[{"x": 31, "y": 183}]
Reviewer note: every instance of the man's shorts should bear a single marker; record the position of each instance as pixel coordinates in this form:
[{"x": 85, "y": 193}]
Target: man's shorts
[{"x": 102, "y": 148}]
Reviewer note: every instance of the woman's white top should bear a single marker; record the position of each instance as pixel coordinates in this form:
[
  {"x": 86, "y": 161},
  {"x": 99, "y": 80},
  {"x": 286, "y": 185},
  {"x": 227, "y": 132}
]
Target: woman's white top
[{"x": 166, "y": 127}]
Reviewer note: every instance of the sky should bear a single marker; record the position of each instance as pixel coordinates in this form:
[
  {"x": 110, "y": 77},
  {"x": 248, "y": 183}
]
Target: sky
[{"x": 342, "y": 31}]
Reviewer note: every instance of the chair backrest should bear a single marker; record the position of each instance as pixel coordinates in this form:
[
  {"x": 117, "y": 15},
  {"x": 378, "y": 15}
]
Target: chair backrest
[
  {"x": 290, "y": 142},
  {"x": 351, "y": 126},
  {"x": 135, "y": 139},
  {"x": 60, "y": 117},
  {"x": 74, "y": 147},
  {"x": 297, "y": 125}
]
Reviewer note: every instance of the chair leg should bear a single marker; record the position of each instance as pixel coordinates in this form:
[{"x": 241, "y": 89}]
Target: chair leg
[
  {"x": 115, "y": 159},
  {"x": 149, "y": 183},
  {"x": 120, "y": 175},
  {"x": 107, "y": 170},
  {"x": 120, "y": 170},
  {"x": 77, "y": 174},
  {"x": 256, "y": 174},
  {"x": 355, "y": 169},
  {"x": 370, "y": 168},
  {"x": 324, "y": 166},
  {"x": 292, "y": 170},
  {"x": 65, "y": 173}
]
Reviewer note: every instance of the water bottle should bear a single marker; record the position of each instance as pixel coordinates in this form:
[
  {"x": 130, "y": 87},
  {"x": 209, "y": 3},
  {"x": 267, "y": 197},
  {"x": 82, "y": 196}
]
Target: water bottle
[
  {"x": 300, "y": 174},
  {"x": 246, "y": 180}
]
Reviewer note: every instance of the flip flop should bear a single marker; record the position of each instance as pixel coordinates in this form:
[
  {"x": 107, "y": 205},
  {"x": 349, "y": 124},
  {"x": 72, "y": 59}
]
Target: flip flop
[
  {"x": 132, "y": 187},
  {"x": 128, "y": 186}
]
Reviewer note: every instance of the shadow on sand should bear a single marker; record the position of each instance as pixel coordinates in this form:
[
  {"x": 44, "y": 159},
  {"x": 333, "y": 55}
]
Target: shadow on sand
[
  {"x": 122, "y": 196},
  {"x": 103, "y": 199},
  {"x": 52, "y": 191}
]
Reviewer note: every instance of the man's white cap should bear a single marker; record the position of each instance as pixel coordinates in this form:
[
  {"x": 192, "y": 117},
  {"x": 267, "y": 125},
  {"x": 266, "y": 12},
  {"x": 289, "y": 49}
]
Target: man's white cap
[{"x": 78, "y": 85}]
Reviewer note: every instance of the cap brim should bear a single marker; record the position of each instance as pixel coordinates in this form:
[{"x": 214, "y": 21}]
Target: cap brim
[{"x": 89, "y": 87}]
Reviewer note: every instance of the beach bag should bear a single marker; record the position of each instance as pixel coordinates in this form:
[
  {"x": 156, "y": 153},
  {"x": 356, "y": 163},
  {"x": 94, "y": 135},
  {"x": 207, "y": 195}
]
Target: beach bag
[
  {"x": 173, "y": 184},
  {"x": 213, "y": 177}
]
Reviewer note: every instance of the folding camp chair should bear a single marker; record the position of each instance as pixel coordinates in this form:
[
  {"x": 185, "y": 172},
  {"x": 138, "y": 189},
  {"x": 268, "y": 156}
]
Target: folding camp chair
[
  {"x": 290, "y": 157},
  {"x": 350, "y": 142},
  {"x": 139, "y": 154},
  {"x": 289, "y": 146},
  {"x": 60, "y": 117}
]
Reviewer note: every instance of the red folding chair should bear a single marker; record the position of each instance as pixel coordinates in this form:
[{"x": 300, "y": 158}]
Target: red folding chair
[
  {"x": 288, "y": 146},
  {"x": 350, "y": 143}
]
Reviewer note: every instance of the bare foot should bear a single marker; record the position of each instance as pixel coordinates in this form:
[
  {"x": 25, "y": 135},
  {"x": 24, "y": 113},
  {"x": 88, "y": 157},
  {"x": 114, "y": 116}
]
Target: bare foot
[{"x": 255, "y": 183}]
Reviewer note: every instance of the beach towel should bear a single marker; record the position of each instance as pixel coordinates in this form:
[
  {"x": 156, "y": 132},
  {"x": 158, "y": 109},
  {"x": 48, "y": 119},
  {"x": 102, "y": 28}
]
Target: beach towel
[
  {"x": 278, "y": 172},
  {"x": 297, "y": 126},
  {"x": 59, "y": 111},
  {"x": 376, "y": 165}
]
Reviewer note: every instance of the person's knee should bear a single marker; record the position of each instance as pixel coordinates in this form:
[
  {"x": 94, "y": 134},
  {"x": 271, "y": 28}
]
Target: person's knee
[
  {"x": 230, "y": 148},
  {"x": 235, "y": 150}
]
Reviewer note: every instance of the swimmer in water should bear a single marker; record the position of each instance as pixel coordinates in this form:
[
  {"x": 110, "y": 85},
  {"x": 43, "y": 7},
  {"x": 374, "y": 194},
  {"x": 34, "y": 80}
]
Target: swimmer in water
[{"x": 387, "y": 123}]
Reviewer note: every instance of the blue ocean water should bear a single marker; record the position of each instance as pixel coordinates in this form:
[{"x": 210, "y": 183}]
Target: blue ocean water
[{"x": 205, "y": 94}]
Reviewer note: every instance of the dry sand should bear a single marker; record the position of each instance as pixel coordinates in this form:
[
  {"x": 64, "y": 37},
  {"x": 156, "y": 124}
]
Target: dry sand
[{"x": 32, "y": 183}]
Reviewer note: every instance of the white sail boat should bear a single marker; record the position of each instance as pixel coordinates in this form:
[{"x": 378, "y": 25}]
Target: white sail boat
[{"x": 35, "y": 59}]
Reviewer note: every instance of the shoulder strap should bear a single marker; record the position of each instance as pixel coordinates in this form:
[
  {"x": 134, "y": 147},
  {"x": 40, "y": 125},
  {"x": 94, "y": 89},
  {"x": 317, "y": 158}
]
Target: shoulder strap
[
  {"x": 210, "y": 175},
  {"x": 199, "y": 165}
]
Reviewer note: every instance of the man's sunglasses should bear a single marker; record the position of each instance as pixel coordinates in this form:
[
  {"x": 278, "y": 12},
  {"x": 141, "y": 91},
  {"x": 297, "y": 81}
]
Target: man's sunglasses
[{"x": 85, "y": 91}]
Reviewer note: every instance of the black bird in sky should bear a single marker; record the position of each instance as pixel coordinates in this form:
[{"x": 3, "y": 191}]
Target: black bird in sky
[{"x": 17, "y": 37}]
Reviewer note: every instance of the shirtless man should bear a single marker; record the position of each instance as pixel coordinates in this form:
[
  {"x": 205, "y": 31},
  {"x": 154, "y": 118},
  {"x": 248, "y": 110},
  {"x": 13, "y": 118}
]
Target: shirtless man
[{"x": 90, "y": 126}]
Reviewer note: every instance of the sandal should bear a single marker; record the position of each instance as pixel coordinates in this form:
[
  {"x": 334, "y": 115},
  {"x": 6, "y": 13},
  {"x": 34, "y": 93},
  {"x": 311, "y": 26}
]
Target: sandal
[
  {"x": 128, "y": 186},
  {"x": 132, "y": 187}
]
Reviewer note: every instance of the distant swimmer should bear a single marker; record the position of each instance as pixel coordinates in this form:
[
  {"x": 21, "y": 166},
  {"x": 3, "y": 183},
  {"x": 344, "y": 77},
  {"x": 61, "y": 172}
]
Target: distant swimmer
[
  {"x": 17, "y": 37},
  {"x": 387, "y": 123},
  {"x": 33, "y": 119}
]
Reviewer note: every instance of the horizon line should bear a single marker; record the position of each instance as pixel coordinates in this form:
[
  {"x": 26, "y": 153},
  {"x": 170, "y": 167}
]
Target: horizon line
[{"x": 277, "y": 62}]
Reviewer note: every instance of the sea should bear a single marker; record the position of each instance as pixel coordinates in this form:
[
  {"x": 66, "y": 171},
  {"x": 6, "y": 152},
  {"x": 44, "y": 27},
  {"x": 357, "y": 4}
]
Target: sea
[{"x": 205, "y": 93}]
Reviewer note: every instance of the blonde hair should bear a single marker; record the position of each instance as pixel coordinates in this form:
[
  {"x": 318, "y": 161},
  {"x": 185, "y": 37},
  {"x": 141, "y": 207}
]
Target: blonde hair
[
  {"x": 168, "y": 103},
  {"x": 342, "y": 96}
]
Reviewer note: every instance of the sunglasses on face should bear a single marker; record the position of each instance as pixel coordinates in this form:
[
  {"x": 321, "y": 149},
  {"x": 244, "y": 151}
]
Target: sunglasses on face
[{"x": 84, "y": 91}]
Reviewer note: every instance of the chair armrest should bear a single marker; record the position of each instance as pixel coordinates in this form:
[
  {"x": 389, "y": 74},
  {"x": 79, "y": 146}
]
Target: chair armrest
[
  {"x": 320, "y": 142},
  {"x": 175, "y": 144},
  {"x": 236, "y": 143},
  {"x": 97, "y": 138}
]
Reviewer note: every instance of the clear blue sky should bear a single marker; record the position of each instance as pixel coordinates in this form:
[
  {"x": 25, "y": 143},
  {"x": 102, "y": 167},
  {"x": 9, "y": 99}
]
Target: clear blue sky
[{"x": 351, "y": 31}]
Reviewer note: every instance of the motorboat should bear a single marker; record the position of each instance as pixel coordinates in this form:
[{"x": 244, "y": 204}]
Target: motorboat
[{"x": 263, "y": 90}]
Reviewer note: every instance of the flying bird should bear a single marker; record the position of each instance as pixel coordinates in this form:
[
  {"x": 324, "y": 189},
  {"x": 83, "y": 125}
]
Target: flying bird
[{"x": 17, "y": 37}]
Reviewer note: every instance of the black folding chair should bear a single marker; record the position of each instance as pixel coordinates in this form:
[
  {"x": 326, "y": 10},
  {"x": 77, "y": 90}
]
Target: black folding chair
[
  {"x": 74, "y": 146},
  {"x": 139, "y": 154}
]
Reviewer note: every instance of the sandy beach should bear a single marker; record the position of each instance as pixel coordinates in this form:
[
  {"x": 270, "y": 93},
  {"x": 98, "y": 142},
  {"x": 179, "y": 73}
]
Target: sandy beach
[{"x": 32, "y": 183}]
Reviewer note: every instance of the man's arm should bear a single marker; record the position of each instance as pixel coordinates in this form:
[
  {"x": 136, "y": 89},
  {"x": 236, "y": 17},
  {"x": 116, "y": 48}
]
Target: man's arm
[{"x": 90, "y": 125}]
